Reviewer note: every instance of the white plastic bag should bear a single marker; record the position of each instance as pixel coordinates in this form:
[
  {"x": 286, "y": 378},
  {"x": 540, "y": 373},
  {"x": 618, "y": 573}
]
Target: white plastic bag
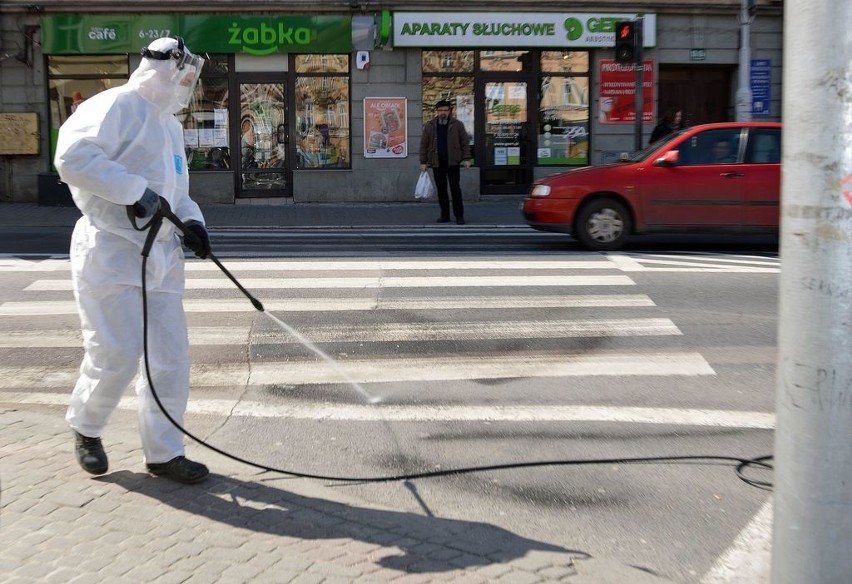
[{"x": 424, "y": 189}]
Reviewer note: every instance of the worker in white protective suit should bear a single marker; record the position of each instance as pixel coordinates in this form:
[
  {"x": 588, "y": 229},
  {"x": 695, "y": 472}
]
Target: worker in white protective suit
[{"x": 124, "y": 147}]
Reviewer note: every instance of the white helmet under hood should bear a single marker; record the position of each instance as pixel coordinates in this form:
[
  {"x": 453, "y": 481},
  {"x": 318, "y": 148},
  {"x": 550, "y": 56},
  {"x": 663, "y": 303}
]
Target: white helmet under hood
[{"x": 168, "y": 74}]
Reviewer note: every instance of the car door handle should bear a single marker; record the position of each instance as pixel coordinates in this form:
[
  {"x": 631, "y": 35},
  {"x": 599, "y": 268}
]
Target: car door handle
[{"x": 732, "y": 174}]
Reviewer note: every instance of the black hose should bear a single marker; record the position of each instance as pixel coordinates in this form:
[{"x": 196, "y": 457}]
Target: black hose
[{"x": 762, "y": 462}]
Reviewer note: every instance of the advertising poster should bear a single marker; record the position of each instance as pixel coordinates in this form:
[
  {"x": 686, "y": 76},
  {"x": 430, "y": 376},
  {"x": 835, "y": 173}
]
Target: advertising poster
[
  {"x": 761, "y": 85},
  {"x": 618, "y": 90},
  {"x": 385, "y": 130}
]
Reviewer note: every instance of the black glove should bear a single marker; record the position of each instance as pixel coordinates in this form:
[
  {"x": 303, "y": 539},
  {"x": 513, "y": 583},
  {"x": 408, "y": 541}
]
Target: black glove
[
  {"x": 148, "y": 205},
  {"x": 199, "y": 242}
]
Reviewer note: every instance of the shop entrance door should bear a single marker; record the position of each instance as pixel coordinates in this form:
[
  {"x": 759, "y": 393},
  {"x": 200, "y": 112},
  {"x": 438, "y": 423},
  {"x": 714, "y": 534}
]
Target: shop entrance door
[
  {"x": 264, "y": 140},
  {"x": 701, "y": 92},
  {"x": 503, "y": 142}
]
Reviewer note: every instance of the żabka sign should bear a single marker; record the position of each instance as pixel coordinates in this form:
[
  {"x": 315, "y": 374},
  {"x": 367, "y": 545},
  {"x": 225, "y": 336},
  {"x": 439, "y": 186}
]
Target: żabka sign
[{"x": 254, "y": 35}]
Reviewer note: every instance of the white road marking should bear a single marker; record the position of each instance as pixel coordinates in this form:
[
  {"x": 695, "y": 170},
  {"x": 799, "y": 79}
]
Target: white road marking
[
  {"x": 301, "y": 265},
  {"x": 381, "y": 265},
  {"x": 439, "y": 413},
  {"x": 385, "y": 332},
  {"x": 402, "y": 370},
  {"x": 375, "y": 282},
  {"x": 707, "y": 266},
  {"x": 632, "y": 262},
  {"x": 749, "y": 559},
  {"x": 716, "y": 258},
  {"x": 58, "y": 307}
]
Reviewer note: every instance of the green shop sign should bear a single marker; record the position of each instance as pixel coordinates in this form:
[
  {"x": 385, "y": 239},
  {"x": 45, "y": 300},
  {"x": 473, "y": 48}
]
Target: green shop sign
[
  {"x": 254, "y": 35},
  {"x": 513, "y": 29}
]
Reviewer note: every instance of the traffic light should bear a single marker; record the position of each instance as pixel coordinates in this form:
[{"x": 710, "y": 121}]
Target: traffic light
[{"x": 625, "y": 42}]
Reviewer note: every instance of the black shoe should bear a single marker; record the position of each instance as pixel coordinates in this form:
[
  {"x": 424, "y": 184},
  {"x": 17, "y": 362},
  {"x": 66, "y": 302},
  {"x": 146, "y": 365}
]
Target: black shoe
[
  {"x": 90, "y": 454},
  {"x": 180, "y": 469},
  {"x": 443, "y": 219},
  {"x": 460, "y": 221}
]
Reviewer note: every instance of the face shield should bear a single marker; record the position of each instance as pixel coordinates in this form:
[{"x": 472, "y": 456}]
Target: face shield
[{"x": 184, "y": 68}]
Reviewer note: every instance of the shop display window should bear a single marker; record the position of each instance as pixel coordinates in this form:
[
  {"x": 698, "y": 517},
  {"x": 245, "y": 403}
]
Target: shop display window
[
  {"x": 563, "y": 109},
  {"x": 505, "y": 60},
  {"x": 447, "y": 61},
  {"x": 449, "y": 75},
  {"x": 73, "y": 79},
  {"x": 322, "y": 112},
  {"x": 205, "y": 121}
]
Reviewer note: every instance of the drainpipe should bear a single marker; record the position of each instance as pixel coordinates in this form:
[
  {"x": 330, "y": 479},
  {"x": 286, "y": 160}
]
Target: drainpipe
[{"x": 745, "y": 18}]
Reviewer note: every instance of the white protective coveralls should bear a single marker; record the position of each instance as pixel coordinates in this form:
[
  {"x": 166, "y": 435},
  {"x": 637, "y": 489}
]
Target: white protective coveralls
[{"x": 114, "y": 146}]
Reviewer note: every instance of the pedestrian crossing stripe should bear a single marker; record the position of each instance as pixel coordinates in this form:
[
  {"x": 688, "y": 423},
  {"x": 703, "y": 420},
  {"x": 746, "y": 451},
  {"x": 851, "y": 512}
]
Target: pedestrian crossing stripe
[
  {"x": 375, "y": 282},
  {"x": 384, "y": 332},
  {"x": 53, "y": 265},
  {"x": 623, "y": 261},
  {"x": 59, "y": 307},
  {"x": 442, "y": 413},
  {"x": 636, "y": 262},
  {"x": 409, "y": 369}
]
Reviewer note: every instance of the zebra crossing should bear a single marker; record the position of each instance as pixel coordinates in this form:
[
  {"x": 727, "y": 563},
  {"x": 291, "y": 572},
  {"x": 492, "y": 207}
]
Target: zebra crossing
[
  {"x": 404, "y": 310},
  {"x": 392, "y": 324}
]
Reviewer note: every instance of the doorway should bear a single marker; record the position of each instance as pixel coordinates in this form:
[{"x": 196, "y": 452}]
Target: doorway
[
  {"x": 702, "y": 93},
  {"x": 503, "y": 140},
  {"x": 264, "y": 139}
]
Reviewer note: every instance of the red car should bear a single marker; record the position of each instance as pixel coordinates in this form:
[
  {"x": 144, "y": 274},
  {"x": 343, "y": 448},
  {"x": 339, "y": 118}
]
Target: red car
[{"x": 712, "y": 177}]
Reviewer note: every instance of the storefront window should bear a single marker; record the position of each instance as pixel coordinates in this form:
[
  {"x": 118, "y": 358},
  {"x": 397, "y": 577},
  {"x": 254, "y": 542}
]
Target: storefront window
[
  {"x": 563, "y": 136},
  {"x": 322, "y": 111},
  {"x": 73, "y": 79},
  {"x": 447, "y": 61},
  {"x": 205, "y": 121},
  {"x": 449, "y": 75},
  {"x": 505, "y": 60}
]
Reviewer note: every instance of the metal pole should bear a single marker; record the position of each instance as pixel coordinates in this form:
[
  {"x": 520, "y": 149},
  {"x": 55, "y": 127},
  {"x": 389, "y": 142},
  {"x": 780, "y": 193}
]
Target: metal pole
[
  {"x": 813, "y": 440},
  {"x": 744, "y": 83},
  {"x": 640, "y": 77}
]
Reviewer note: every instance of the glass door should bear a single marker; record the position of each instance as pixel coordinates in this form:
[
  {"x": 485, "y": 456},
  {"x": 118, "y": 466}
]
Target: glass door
[
  {"x": 264, "y": 141},
  {"x": 506, "y": 161}
]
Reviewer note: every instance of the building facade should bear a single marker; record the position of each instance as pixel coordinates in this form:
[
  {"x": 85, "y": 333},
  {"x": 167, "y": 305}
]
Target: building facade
[{"x": 325, "y": 101}]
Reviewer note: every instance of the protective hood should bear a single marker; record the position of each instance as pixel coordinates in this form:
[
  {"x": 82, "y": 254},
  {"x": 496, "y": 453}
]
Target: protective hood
[{"x": 168, "y": 74}]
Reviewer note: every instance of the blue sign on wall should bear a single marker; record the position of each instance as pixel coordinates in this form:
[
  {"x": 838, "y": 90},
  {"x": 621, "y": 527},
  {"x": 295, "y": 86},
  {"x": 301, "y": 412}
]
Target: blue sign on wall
[{"x": 761, "y": 84}]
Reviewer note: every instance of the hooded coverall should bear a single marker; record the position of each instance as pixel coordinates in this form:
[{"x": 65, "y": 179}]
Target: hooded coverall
[{"x": 114, "y": 146}]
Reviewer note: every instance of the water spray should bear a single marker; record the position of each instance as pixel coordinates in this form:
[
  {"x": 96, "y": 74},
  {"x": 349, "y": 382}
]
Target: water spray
[{"x": 153, "y": 226}]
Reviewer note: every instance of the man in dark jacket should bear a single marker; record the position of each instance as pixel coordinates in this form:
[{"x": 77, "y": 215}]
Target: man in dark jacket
[{"x": 445, "y": 146}]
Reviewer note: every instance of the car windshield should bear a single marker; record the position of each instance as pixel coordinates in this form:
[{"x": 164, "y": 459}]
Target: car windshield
[{"x": 641, "y": 155}]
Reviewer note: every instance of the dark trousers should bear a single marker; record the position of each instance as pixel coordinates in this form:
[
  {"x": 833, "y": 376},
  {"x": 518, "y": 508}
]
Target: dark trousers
[{"x": 443, "y": 174}]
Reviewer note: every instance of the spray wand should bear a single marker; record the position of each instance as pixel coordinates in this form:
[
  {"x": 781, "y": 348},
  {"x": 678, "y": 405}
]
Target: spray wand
[{"x": 165, "y": 212}]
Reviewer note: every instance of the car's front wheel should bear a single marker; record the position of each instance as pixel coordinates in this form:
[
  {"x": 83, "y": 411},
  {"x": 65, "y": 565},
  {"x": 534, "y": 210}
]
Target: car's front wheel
[{"x": 602, "y": 225}]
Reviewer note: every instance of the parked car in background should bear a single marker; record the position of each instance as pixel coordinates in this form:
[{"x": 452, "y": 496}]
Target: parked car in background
[{"x": 722, "y": 177}]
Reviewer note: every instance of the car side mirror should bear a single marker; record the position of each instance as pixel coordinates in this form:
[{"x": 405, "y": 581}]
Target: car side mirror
[
  {"x": 670, "y": 158},
  {"x": 624, "y": 157}
]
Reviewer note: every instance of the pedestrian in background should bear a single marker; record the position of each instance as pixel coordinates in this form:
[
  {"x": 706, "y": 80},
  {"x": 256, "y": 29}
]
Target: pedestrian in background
[
  {"x": 445, "y": 147},
  {"x": 672, "y": 121}
]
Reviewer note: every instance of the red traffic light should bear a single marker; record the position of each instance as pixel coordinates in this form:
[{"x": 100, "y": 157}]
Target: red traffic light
[{"x": 626, "y": 49}]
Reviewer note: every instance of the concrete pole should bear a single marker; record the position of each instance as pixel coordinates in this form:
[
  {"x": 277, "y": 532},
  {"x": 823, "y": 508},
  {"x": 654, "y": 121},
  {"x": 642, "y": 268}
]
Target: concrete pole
[
  {"x": 743, "y": 96},
  {"x": 812, "y": 533}
]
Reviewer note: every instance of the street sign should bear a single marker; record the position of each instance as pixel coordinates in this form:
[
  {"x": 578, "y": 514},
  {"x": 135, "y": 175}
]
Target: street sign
[{"x": 697, "y": 54}]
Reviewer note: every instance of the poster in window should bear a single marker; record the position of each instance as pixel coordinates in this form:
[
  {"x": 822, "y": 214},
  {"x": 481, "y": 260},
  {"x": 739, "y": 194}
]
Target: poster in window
[
  {"x": 385, "y": 130},
  {"x": 618, "y": 92}
]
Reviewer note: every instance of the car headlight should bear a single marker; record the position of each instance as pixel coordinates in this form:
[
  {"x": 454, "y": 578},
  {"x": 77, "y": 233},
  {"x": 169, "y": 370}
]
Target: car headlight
[{"x": 540, "y": 191}]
